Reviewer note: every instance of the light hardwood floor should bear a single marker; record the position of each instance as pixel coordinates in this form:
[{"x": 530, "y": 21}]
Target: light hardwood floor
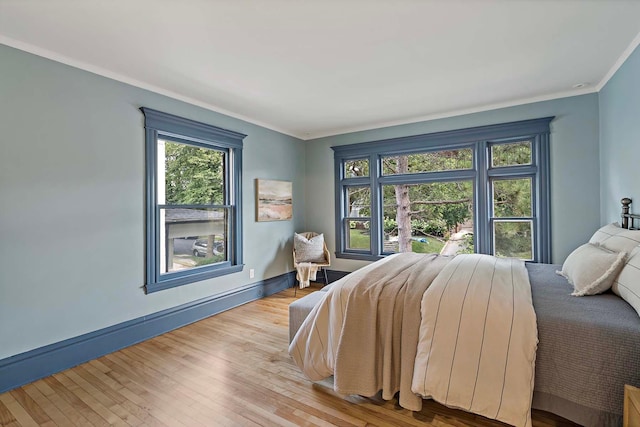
[{"x": 231, "y": 369}]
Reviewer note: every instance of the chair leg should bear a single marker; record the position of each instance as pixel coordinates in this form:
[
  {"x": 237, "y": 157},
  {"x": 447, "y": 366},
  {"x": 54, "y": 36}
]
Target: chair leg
[{"x": 326, "y": 281}]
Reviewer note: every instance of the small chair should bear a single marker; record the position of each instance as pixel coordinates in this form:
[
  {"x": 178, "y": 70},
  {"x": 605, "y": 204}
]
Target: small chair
[{"x": 320, "y": 265}]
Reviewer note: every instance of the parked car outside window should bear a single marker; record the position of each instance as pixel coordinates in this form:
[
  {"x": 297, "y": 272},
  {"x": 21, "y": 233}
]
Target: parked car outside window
[{"x": 199, "y": 248}]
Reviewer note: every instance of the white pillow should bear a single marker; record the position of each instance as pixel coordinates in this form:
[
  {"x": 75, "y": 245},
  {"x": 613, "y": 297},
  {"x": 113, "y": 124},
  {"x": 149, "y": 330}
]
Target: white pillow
[
  {"x": 616, "y": 238},
  {"x": 309, "y": 250},
  {"x": 627, "y": 284},
  {"x": 591, "y": 269}
]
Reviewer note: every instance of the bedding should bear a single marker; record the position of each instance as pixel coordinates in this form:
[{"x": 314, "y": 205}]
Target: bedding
[
  {"x": 627, "y": 284},
  {"x": 591, "y": 269},
  {"x": 587, "y": 350},
  {"x": 478, "y": 339},
  {"x": 616, "y": 238},
  {"x": 364, "y": 331},
  {"x": 369, "y": 362}
]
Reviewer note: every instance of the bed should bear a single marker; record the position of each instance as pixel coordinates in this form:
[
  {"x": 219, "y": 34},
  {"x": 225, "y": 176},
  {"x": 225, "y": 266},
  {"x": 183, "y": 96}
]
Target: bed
[{"x": 588, "y": 348}]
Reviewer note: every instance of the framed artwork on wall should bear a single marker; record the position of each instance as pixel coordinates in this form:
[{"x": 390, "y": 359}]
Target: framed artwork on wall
[{"x": 274, "y": 200}]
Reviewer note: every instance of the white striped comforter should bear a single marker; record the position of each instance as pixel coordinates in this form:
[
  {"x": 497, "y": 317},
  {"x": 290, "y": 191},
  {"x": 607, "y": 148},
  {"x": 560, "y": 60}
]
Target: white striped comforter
[
  {"x": 478, "y": 339},
  {"x": 476, "y": 336}
]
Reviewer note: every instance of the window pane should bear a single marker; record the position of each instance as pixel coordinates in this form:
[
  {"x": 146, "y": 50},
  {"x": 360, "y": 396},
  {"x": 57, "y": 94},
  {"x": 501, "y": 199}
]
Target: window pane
[
  {"x": 358, "y": 236},
  {"x": 517, "y": 153},
  {"x": 429, "y": 218},
  {"x": 512, "y": 198},
  {"x": 191, "y": 175},
  {"x": 435, "y": 161},
  {"x": 513, "y": 239},
  {"x": 192, "y": 238},
  {"x": 359, "y": 201},
  {"x": 356, "y": 168}
]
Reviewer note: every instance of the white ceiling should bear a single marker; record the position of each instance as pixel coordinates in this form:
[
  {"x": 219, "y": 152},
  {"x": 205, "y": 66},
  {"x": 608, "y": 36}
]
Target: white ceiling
[{"x": 312, "y": 68}]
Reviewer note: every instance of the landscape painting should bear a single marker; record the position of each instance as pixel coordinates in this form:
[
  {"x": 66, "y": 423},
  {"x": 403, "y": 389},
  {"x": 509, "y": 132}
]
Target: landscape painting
[{"x": 274, "y": 200}]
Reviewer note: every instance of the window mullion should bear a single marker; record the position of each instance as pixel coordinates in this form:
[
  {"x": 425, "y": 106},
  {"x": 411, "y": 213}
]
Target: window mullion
[
  {"x": 340, "y": 195},
  {"x": 194, "y": 206},
  {"x": 375, "y": 226},
  {"x": 512, "y": 171},
  {"x": 151, "y": 191},
  {"x": 482, "y": 200},
  {"x": 353, "y": 182},
  {"x": 419, "y": 178},
  {"x": 236, "y": 249},
  {"x": 543, "y": 189}
]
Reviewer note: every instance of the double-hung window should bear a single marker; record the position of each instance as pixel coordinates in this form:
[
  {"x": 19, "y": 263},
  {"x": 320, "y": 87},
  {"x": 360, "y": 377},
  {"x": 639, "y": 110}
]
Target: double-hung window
[
  {"x": 483, "y": 190},
  {"x": 193, "y": 201}
]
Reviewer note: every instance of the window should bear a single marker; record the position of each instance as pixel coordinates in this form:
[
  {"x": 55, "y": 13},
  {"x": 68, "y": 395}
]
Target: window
[
  {"x": 193, "y": 201},
  {"x": 483, "y": 189}
]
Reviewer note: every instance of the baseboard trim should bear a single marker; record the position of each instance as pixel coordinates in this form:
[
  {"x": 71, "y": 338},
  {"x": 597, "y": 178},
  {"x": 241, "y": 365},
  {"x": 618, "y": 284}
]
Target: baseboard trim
[{"x": 32, "y": 365}]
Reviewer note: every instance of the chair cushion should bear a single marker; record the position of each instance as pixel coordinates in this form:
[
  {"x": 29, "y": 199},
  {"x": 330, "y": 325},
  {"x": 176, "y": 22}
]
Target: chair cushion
[{"x": 309, "y": 250}]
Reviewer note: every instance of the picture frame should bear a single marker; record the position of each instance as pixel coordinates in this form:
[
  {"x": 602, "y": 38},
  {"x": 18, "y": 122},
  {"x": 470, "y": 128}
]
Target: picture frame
[{"x": 274, "y": 200}]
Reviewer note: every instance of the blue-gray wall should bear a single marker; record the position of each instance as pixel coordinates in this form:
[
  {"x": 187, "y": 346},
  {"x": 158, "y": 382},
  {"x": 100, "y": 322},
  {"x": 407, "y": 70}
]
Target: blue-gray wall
[
  {"x": 72, "y": 190},
  {"x": 620, "y": 139},
  {"x": 575, "y": 181},
  {"x": 72, "y": 202}
]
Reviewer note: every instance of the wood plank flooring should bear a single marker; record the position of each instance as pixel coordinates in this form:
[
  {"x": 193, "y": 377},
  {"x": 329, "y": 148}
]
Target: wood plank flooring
[{"x": 231, "y": 369}]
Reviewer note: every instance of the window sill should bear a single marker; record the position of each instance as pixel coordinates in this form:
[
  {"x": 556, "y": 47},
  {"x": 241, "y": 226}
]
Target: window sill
[{"x": 173, "y": 282}]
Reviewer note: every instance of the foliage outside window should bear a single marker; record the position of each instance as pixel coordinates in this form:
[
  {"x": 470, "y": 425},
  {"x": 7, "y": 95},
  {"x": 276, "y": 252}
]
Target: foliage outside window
[
  {"x": 193, "y": 201},
  {"x": 480, "y": 190}
]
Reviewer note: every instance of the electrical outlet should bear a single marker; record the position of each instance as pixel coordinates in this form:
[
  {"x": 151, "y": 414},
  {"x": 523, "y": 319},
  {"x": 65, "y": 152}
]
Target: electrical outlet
[{"x": 252, "y": 273}]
